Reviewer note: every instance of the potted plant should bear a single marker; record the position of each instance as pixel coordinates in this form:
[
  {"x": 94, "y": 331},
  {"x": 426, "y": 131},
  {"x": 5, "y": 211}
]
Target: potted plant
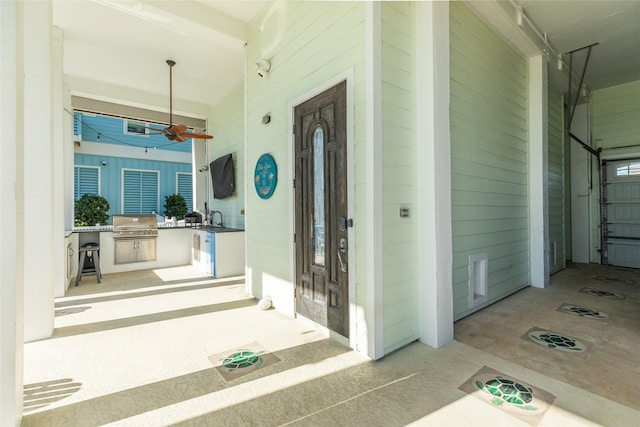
[
  {"x": 91, "y": 209},
  {"x": 175, "y": 206}
]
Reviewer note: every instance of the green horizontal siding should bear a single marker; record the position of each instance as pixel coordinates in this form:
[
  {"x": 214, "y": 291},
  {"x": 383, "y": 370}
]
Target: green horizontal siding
[
  {"x": 616, "y": 116},
  {"x": 400, "y": 310},
  {"x": 489, "y": 158},
  {"x": 322, "y": 40}
]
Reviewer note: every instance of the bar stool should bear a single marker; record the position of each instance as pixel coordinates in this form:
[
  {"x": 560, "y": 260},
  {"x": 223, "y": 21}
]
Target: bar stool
[{"x": 89, "y": 250}]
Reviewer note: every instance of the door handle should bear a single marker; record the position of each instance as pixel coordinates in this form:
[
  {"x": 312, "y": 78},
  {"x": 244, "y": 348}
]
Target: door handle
[
  {"x": 343, "y": 265},
  {"x": 342, "y": 249}
]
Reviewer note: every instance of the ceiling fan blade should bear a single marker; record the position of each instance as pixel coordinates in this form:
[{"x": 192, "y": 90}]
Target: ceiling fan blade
[
  {"x": 180, "y": 138},
  {"x": 196, "y": 135}
]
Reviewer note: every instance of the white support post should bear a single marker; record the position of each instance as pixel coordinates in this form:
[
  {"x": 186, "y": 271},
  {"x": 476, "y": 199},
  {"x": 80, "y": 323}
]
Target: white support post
[
  {"x": 40, "y": 240},
  {"x": 59, "y": 144},
  {"x": 373, "y": 135},
  {"x": 12, "y": 224},
  {"x": 434, "y": 173},
  {"x": 538, "y": 176}
]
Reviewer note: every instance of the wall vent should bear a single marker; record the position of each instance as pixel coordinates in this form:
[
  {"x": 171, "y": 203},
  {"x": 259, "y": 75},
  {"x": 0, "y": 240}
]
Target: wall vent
[{"x": 478, "y": 278}]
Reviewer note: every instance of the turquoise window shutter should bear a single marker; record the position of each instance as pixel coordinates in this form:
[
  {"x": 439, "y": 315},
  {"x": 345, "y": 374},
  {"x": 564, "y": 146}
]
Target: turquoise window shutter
[
  {"x": 85, "y": 180},
  {"x": 185, "y": 189},
  {"x": 149, "y": 192},
  {"x": 140, "y": 192}
]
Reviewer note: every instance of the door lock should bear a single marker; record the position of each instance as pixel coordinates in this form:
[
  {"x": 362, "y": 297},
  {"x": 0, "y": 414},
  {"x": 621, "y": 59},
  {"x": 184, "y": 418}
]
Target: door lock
[{"x": 343, "y": 223}]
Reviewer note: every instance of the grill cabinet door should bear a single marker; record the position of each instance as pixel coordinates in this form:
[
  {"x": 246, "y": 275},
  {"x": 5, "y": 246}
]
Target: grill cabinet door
[
  {"x": 125, "y": 251},
  {"x": 146, "y": 250}
]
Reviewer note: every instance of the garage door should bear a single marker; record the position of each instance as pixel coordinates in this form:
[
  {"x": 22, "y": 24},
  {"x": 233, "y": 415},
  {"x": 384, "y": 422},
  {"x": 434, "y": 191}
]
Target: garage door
[{"x": 621, "y": 213}]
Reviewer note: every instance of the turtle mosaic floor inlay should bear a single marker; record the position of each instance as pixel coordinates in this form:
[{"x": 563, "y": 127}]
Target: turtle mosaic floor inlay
[
  {"x": 615, "y": 280},
  {"x": 577, "y": 310},
  {"x": 556, "y": 341},
  {"x": 509, "y": 394},
  {"x": 242, "y": 360},
  {"x": 602, "y": 293}
]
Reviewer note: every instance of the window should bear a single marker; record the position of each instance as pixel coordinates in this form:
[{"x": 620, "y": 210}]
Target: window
[
  {"x": 77, "y": 127},
  {"x": 140, "y": 191},
  {"x": 86, "y": 180},
  {"x": 318, "y": 197},
  {"x": 132, "y": 127},
  {"x": 628, "y": 169},
  {"x": 184, "y": 187}
]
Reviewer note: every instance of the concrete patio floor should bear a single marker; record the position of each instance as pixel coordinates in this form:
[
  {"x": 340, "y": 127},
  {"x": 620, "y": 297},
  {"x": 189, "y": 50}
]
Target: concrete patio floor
[{"x": 170, "y": 347}]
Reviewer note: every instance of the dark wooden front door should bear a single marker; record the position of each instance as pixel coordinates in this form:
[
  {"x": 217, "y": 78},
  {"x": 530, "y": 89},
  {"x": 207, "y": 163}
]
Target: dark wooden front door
[{"x": 321, "y": 210}]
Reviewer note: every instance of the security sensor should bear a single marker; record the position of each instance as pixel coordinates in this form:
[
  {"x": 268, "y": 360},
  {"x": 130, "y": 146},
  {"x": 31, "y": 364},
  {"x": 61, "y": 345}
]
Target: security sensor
[
  {"x": 264, "y": 65},
  {"x": 104, "y": 163}
]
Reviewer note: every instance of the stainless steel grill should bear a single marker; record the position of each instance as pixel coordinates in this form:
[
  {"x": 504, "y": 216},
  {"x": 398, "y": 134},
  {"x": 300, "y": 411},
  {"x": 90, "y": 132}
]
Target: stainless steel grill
[
  {"x": 134, "y": 238},
  {"x": 134, "y": 226}
]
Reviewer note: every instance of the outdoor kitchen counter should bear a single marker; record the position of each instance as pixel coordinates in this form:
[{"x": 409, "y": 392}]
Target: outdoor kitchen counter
[
  {"x": 219, "y": 251},
  {"x": 173, "y": 248}
]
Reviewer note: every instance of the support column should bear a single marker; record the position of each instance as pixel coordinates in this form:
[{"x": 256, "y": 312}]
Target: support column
[
  {"x": 59, "y": 148},
  {"x": 538, "y": 176},
  {"x": 435, "y": 249},
  {"x": 581, "y": 186},
  {"x": 40, "y": 241},
  {"x": 373, "y": 316},
  {"x": 11, "y": 226}
]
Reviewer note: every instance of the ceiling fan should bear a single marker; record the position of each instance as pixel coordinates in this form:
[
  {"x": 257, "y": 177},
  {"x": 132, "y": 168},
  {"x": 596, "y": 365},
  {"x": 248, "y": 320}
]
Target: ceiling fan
[{"x": 176, "y": 132}]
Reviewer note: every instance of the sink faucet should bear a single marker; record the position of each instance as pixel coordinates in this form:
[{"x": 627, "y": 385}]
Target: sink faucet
[{"x": 213, "y": 217}]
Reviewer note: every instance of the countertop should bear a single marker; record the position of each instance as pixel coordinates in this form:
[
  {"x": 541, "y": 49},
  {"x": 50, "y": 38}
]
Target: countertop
[
  {"x": 105, "y": 228},
  {"x": 212, "y": 229}
]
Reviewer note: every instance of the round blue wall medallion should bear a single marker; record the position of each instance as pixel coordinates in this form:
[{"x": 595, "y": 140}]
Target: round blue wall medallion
[{"x": 265, "y": 176}]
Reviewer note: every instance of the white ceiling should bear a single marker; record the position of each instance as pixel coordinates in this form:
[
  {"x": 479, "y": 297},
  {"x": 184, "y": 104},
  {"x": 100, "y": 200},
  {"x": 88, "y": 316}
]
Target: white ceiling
[
  {"x": 614, "y": 25},
  {"x": 125, "y": 43}
]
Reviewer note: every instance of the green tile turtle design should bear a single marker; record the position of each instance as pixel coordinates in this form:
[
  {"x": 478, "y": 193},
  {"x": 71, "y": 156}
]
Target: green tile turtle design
[
  {"x": 615, "y": 280},
  {"x": 557, "y": 341},
  {"x": 581, "y": 311},
  {"x": 602, "y": 293},
  {"x": 243, "y": 358},
  {"x": 508, "y": 391}
]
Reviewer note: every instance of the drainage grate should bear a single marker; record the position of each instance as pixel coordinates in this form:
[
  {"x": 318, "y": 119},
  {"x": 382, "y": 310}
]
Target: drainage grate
[
  {"x": 557, "y": 341},
  {"x": 615, "y": 280},
  {"x": 601, "y": 293},
  {"x": 580, "y": 311}
]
